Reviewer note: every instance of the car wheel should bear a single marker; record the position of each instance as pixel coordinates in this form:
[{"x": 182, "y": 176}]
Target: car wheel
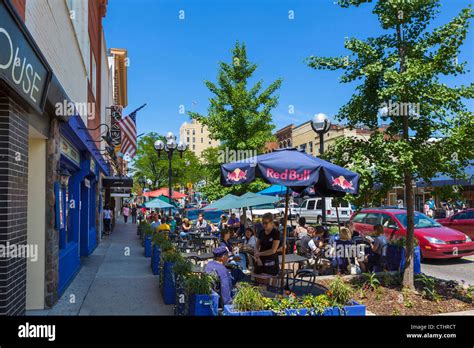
[{"x": 319, "y": 220}]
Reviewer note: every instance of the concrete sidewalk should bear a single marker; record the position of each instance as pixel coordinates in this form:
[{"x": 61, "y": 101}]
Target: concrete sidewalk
[{"x": 115, "y": 280}]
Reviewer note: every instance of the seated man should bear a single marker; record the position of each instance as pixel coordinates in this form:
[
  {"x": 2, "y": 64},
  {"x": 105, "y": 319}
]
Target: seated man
[{"x": 218, "y": 267}]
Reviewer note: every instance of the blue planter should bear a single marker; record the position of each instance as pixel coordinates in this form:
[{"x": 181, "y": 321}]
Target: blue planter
[
  {"x": 204, "y": 305},
  {"x": 396, "y": 258},
  {"x": 229, "y": 310},
  {"x": 148, "y": 246},
  {"x": 155, "y": 260},
  {"x": 169, "y": 288},
  {"x": 181, "y": 298},
  {"x": 416, "y": 260},
  {"x": 355, "y": 309}
]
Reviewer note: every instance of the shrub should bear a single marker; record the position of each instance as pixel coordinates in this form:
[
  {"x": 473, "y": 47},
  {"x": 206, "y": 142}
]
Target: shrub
[
  {"x": 428, "y": 287},
  {"x": 182, "y": 267},
  {"x": 199, "y": 284},
  {"x": 340, "y": 292},
  {"x": 248, "y": 298}
]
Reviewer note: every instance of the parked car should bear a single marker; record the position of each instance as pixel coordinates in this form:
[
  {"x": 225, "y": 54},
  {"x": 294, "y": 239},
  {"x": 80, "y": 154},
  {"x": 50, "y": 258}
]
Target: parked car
[
  {"x": 436, "y": 241},
  {"x": 259, "y": 211},
  {"x": 292, "y": 209},
  {"x": 462, "y": 221},
  {"x": 311, "y": 210}
]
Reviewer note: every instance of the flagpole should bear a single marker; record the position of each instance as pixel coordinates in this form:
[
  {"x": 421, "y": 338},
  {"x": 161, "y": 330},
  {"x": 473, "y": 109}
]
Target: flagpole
[{"x": 285, "y": 223}]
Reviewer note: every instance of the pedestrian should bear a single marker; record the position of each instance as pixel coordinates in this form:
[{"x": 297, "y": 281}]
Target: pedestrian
[
  {"x": 125, "y": 212},
  {"x": 107, "y": 218},
  {"x": 134, "y": 214}
]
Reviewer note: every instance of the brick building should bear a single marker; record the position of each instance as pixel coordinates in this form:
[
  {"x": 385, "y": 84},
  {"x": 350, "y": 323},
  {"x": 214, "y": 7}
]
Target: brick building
[{"x": 52, "y": 89}]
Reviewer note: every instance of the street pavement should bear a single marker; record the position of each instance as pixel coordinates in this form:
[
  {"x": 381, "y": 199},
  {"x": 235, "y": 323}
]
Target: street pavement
[
  {"x": 111, "y": 282},
  {"x": 450, "y": 269}
]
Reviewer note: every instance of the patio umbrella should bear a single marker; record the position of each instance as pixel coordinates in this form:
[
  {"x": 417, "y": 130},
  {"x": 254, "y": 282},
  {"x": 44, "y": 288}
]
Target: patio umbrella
[
  {"x": 221, "y": 203},
  {"x": 295, "y": 170},
  {"x": 167, "y": 200},
  {"x": 274, "y": 190},
  {"x": 158, "y": 203}
]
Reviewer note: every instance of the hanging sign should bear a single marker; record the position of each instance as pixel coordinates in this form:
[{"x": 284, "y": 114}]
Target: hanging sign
[{"x": 115, "y": 131}]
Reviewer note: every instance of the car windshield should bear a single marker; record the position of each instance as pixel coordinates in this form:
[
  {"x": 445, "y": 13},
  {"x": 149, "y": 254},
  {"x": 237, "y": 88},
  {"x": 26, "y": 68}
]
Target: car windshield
[{"x": 421, "y": 220}]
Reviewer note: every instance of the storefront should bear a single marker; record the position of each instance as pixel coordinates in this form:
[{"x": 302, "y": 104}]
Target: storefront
[{"x": 77, "y": 197}]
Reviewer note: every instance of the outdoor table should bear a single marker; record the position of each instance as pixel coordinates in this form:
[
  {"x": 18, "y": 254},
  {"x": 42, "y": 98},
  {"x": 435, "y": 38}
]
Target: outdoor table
[
  {"x": 293, "y": 258},
  {"x": 205, "y": 256},
  {"x": 198, "y": 269},
  {"x": 191, "y": 254}
]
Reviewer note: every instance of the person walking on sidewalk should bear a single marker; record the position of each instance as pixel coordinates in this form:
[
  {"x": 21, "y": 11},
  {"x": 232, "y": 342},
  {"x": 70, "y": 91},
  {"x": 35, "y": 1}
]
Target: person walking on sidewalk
[
  {"x": 107, "y": 217},
  {"x": 134, "y": 214},
  {"x": 126, "y": 213}
]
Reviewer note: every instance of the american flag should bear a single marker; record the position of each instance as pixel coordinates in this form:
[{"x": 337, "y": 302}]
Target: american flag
[{"x": 129, "y": 134}]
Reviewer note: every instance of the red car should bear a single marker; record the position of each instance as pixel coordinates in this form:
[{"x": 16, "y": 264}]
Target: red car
[
  {"x": 436, "y": 241},
  {"x": 462, "y": 221}
]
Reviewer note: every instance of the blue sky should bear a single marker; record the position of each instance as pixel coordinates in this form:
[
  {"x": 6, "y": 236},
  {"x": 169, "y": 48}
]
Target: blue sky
[{"x": 170, "y": 57}]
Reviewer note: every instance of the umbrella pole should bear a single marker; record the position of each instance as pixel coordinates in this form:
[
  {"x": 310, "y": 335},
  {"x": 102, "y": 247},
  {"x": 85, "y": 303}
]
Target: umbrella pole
[
  {"x": 285, "y": 222},
  {"x": 338, "y": 222}
]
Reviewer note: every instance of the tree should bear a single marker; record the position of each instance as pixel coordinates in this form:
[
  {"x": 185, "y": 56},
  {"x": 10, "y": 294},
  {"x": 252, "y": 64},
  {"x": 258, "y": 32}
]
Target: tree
[
  {"x": 238, "y": 116},
  {"x": 400, "y": 74},
  {"x": 147, "y": 164}
]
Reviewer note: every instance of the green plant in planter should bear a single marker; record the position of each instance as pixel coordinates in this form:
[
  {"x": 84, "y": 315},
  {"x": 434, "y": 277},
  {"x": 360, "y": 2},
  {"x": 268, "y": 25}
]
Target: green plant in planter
[
  {"x": 182, "y": 267},
  {"x": 248, "y": 298},
  {"x": 199, "y": 284},
  {"x": 159, "y": 239},
  {"x": 171, "y": 255},
  {"x": 340, "y": 292},
  {"x": 147, "y": 230},
  {"x": 402, "y": 242}
]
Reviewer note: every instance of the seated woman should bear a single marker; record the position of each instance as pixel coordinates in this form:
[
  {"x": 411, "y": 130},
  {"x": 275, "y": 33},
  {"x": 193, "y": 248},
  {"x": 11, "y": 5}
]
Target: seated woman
[
  {"x": 301, "y": 230},
  {"x": 344, "y": 257},
  {"x": 378, "y": 250},
  {"x": 185, "y": 228},
  {"x": 266, "y": 256},
  {"x": 217, "y": 266}
]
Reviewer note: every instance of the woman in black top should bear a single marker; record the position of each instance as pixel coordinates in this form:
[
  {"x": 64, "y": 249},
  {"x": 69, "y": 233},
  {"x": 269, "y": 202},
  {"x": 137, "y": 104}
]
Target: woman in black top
[{"x": 266, "y": 255}]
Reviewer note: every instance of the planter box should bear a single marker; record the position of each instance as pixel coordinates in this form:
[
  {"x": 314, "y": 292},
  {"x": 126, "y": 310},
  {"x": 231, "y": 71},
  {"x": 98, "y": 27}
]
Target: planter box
[
  {"x": 355, "y": 309},
  {"x": 155, "y": 260},
  {"x": 229, "y": 310},
  {"x": 396, "y": 258},
  {"x": 181, "y": 298},
  {"x": 204, "y": 305},
  {"x": 148, "y": 246},
  {"x": 169, "y": 287}
]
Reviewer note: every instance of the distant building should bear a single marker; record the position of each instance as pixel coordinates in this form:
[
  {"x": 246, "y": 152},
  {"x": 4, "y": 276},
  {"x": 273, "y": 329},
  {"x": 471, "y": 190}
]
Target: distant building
[{"x": 197, "y": 137}]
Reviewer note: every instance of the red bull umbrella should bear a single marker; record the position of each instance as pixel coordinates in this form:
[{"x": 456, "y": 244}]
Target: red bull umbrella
[
  {"x": 294, "y": 169},
  {"x": 297, "y": 171}
]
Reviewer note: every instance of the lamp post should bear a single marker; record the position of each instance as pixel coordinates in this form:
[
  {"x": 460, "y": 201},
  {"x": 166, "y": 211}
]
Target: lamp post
[
  {"x": 169, "y": 148},
  {"x": 321, "y": 125}
]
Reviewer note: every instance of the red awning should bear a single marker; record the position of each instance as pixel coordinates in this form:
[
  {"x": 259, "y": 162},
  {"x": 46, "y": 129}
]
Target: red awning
[{"x": 164, "y": 192}]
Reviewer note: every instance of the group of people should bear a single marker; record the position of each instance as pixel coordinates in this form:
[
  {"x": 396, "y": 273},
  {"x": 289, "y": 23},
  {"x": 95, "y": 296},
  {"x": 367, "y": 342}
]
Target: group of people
[
  {"x": 232, "y": 259},
  {"x": 449, "y": 207}
]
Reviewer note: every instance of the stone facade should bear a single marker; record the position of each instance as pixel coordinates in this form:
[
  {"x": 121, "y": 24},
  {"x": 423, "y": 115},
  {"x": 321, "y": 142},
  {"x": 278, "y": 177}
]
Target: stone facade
[
  {"x": 13, "y": 202},
  {"x": 52, "y": 234}
]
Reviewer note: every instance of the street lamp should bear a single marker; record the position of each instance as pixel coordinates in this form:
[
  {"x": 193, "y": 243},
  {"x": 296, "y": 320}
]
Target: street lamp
[
  {"x": 169, "y": 148},
  {"x": 321, "y": 125}
]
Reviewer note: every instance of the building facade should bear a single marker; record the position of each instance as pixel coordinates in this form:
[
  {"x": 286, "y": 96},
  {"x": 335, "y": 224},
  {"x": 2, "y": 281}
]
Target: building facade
[
  {"x": 52, "y": 89},
  {"x": 197, "y": 136}
]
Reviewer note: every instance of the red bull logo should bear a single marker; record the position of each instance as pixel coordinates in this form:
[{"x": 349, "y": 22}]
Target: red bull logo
[
  {"x": 342, "y": 182},
  {"x": 237, "y": 175},
  {"x": 289, "y": 174}
]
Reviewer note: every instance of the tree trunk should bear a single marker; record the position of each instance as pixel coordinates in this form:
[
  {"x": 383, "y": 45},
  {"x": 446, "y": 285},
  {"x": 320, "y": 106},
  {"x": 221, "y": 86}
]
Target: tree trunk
[{"x": 408, "y": 279}]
